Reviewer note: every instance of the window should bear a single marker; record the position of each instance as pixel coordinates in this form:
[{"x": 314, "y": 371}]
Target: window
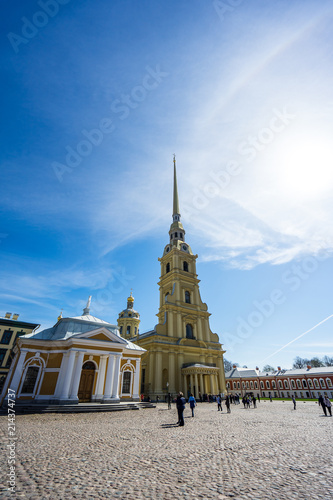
[
  {"x": 185, "y": 266},
  {"x": 262, "y": 384},
  {"x": 128, "y": 331},
  {"x": 126, "y": 382},
  {"x": 121, "y": 330},
  {"x": 189, "y": 331},
  {"x": 322, "y": 383},
  {"x": 167, "y": 270},
  {"x": 6, "y": 337},
  {"x": 251, "y": 384},
  {"x": 315, "y": 381},
  {"x": 293, "y": 385},
  {"x": 166, "y": 297},
  {"x": 304, "y": 384},
  {"x": 2, "y": 355},
  {"x": 243, "y": 384},
  {"x": 267, "y": 384},
  {"x": 298, "y": 382},
  {"x": 30, "y": 380},
  {"x": 310, "y": 383},
  {"x": 135, "y": 330},
  {"x": 329, "y": 382},
  {"x": 187, "y": 297},
  {"x": 286, "y": 386},
  {"x": 238, "y": 385},
  {"x": 247, "y": 385},
  {"x": 273, "y": 384},
  {"x": 280, "y": 384},
  {"x": 256, "y": 385},
  {"x": 176, "y": 235}
]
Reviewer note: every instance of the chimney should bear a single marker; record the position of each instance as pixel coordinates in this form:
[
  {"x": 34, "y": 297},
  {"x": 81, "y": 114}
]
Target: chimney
[
  {"x": 234, "y": 366},
  {"x": 15, "y": 316},
  {"x": 279, "y": 368},
  {"x": 8, "y": 315},
  {"x": 257, "y": 368},
  {"x": 309, "y": 367}
]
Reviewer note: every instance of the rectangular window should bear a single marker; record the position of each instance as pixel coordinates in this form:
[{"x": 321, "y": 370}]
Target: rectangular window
[
  {"x": 6, "y": 337},
  {"x": 126, "y": 382},
  {"x": 30, "y": 380},
  {"x": 3, "y": 353}
]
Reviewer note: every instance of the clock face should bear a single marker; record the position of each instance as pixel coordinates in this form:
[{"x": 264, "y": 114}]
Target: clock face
[
  {"x": 167, "y": 249},
  {"x": 184, "y": 247}
]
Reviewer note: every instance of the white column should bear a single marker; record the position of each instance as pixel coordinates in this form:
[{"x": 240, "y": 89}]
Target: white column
[
  {"x": 77, "y": 375},
  {"x": 101, "y": 377},
  {"x": 196, "y": 395},
  {"x": 191, "y": 383},
  {"x": 109, "y": 379},
  {"x": 158, "y": 373},
  {"x": 61, "y": 376},
  {"x": 202, "y": 388},
  {"x": 185, "y": 386},
  {"x": 135, "y": 394},
  {"x": 115, "y": 389},
  {"x": 211, "y": 377},
  {"x": 17, "y": 374},
  {"x": 69, "y": 372}
]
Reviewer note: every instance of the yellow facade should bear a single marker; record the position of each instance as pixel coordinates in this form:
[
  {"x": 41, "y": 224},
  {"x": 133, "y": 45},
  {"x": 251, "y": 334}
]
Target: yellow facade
[
  {"x": 182, "y": 351},
  {"x": 10, "y": 330}
]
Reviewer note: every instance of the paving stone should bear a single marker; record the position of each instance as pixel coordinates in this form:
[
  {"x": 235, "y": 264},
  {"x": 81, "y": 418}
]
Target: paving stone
[{"x": 270, "y": 453}]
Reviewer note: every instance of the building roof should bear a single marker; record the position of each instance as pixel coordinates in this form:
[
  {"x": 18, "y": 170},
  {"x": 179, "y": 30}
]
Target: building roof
[
  {"x": 18, "y": 323},
  {"x": 248, "y": 373}
]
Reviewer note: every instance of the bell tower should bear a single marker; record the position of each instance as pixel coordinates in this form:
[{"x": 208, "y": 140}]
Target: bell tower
[
  {"x": 182, "y": 351},
  {"x": 129, "y": 320}
]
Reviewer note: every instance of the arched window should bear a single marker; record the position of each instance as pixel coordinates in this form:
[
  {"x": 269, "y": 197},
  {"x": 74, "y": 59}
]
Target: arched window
[
  {"x": 189, "y": 331},
  {"x": 251, "y": 384},
  {"x": 322, "y": 383},
  {"x": 298, "y": 382},
  {"x": 187, "y": 297},
  {"x": 293, "y": 384},
  {"x": 329, "y": 382},
  {"x": 267, "y": 384},
  {"x": 128, "y": 330},
  {"x": 185, "y": 266},
  {"x": 30, "y": 380},
  {"x": 280, "y": 384},
  {"x": 167, "y": 269},
  {"x": 273, "y": 384},
  {"x": 304, "y": 384},
  {"x": 262, "y": 384},
  {"x": 121, "y": 330},
  {"x": 238, "y": 385},
  {"x": 315, "y": 381},
  {"x": 310, "y": 383},
  {"x": 126, "y": 382},
  {"x": 256, "y": 384},
  {"x": 286, "y": 386},
  {"x": 135, "y": 330}
]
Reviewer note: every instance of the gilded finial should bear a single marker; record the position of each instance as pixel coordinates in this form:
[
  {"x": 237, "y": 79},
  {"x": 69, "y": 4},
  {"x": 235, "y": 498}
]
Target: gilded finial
[{"x": 60, "y": 315}]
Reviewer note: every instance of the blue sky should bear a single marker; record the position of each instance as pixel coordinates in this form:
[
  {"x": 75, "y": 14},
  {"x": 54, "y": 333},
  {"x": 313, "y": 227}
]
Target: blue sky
[{"x": 96, "y": 98}]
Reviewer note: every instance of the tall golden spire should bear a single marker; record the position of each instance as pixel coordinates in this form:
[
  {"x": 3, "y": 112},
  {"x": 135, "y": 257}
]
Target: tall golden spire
[{"x": 175, "y": 189}]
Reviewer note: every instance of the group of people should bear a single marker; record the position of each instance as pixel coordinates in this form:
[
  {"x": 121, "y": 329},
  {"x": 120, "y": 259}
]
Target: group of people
[{"x": 326, "y": 405}]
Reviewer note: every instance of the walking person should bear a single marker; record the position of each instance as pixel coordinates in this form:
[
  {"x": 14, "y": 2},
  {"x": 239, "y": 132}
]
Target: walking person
[
  {"x": 219, "y": 401},
  {"x": 321, "y": 402},
  {"x": 294, "y": 401},
  {"x": 328, "y": 405},
  {"x": 181, "y": 402},
  {"x": 254, "y": 401},
  {"x": 169, "y": 401},
  {"x": 258, "y": 396},
  {"x": 227, "y": 403},
  {"x": 193, "y": 403}
]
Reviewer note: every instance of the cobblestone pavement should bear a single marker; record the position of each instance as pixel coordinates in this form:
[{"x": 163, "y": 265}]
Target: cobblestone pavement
[{"x": 271, "y": 452}]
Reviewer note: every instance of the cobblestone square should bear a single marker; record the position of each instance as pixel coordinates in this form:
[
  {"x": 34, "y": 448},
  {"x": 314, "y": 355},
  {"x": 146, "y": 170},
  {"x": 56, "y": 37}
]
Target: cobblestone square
[{"x": 271, "y": 452}]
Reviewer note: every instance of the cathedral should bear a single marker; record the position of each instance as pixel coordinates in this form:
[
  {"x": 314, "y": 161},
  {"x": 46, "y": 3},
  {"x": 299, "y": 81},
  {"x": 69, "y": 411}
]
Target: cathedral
[
  {"x": 182, "y": 353},
  {"x": 84, "y": 359}
]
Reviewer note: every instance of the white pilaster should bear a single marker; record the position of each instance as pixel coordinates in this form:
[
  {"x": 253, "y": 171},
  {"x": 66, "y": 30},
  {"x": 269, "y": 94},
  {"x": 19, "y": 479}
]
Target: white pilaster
[
  {"x": 14, "y": 382},
  {"x": 69, "y": 374},
  {"x": 101, "y": 378},
  {"x": 115, "y": 389},
  {"x": 77, "y": 375},
  {"x": 135, "y": 394},
  {"x": 109, "y": 379}
]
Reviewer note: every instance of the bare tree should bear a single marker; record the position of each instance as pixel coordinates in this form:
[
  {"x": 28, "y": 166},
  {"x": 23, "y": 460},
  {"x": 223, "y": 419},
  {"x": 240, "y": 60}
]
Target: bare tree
[{"x": 268, "y": 368}]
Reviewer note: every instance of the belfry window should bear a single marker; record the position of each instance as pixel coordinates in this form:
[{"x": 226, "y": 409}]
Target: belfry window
[
  {"x": 187, "y": 297},
  {"x": 189, "y": 331},
  {"x": 185, "y": 266},
  {"x": 167, "y": 269},
  {"x": 176, "y": 235},
  {"x": 128, "y": 330},
  {"x": 121, "y": 330}
]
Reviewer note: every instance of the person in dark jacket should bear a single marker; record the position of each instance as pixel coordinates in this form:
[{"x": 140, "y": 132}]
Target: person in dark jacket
[
  {"x": 193, "y": 403},
  {"x": 322, "y": 404},
  {"x": 181, "y": 402}
]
